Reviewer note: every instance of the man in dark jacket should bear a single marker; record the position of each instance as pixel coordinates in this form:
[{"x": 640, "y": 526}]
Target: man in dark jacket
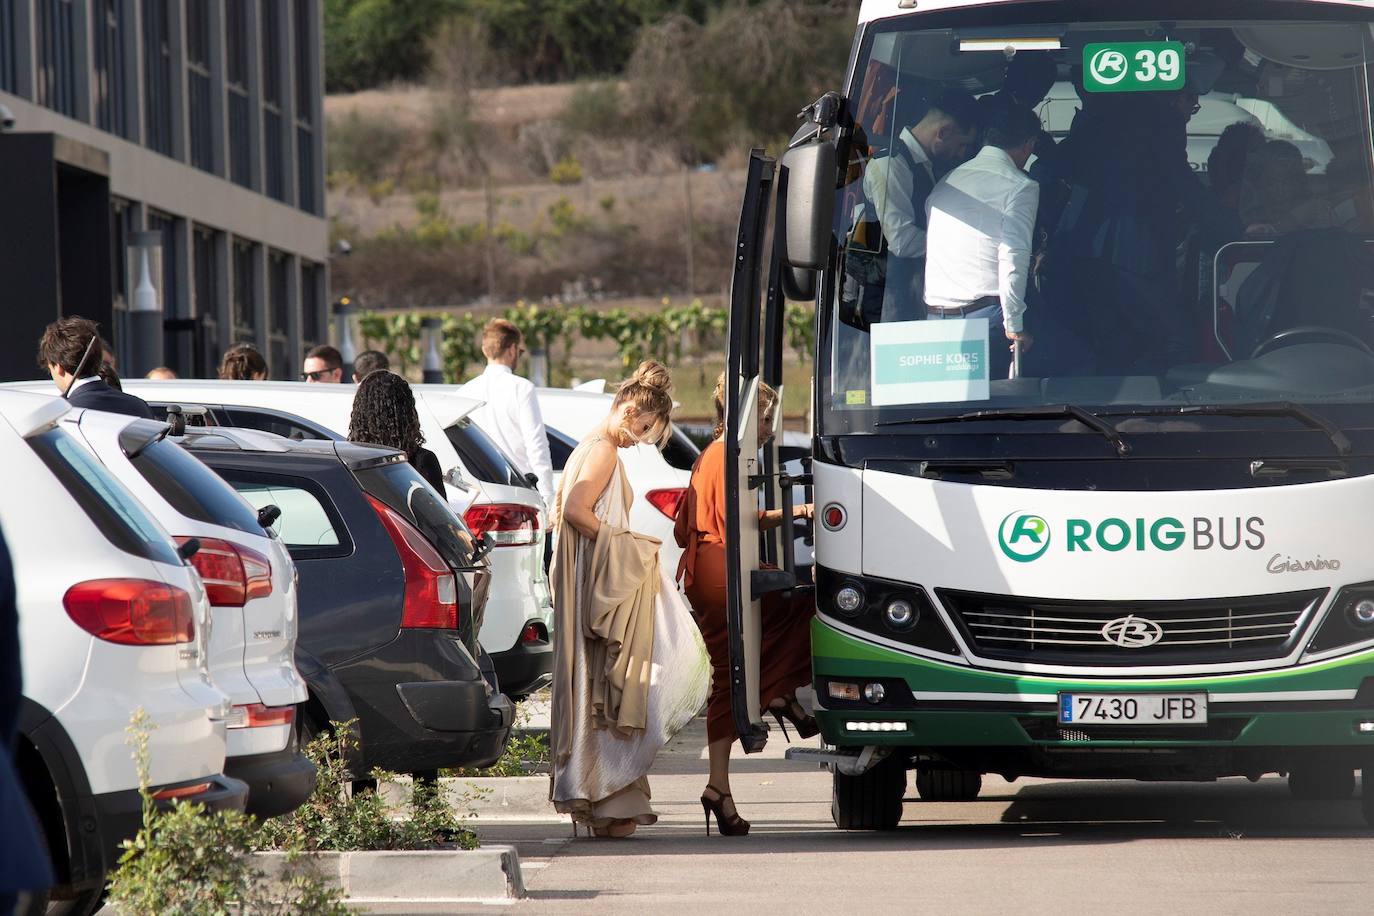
[
  {"x": 71, "y": 352},
  {"x": 24, "y": 864}
]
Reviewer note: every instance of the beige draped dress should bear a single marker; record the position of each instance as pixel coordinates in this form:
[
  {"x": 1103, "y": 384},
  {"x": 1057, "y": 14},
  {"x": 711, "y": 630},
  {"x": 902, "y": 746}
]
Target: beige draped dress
[{"x": 630, "y": 668}]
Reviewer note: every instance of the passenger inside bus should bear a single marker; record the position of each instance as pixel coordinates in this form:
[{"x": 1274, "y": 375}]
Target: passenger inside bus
[{"x": 1177, "y": 230}]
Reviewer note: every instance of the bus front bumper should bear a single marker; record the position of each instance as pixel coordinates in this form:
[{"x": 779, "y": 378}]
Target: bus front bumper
[{"x": 1271, "y": 721}]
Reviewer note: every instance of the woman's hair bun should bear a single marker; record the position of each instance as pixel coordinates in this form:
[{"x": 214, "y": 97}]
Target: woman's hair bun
[{"x": 654, "y": 375}]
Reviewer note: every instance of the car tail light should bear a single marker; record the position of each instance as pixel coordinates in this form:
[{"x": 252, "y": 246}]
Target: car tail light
[
  {"x": 431, "y": 596},
  {"x": 181, "y": 792},
  {"x": 132, "y": 612},
  {"x": 509, "y": 525},
  {"x": 668, "y": 500},
  {"x": 256, "y": 715},
  {"x": 233, "y": 575}
]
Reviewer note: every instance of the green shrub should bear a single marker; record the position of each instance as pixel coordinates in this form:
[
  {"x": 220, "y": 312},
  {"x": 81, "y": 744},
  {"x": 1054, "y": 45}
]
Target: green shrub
[
  {"x": 336, "y": 818},
  {"x": 189, "y": 861},
  {"x": 565, "y": 217},
  {"x": 597, "y": 109},
  {"x": 566, "y": 171},
  {"x": 524, "y": 754}
]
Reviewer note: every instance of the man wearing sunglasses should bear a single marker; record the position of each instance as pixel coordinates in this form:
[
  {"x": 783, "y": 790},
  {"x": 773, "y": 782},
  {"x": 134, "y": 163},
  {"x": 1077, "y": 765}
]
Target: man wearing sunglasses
[{"x": 323, "y": 364}]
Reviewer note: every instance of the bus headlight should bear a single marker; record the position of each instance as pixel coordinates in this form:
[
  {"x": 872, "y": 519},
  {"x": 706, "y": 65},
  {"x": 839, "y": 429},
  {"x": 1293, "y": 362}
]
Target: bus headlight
[
  {"x": 849, "y": 600},
  {"x": 1362, "y": 612},
  {"x": 900, "y": 615}
]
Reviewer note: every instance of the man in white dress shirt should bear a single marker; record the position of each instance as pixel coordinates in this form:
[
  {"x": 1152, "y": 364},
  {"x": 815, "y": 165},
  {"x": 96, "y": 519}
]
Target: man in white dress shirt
[
  {"x": 981, "y": 219},
  {"x": 509, "y": 414}
]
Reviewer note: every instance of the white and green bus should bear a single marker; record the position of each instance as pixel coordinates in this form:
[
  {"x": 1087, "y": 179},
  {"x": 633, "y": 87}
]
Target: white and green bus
[{"x": 1147, "y": 550}]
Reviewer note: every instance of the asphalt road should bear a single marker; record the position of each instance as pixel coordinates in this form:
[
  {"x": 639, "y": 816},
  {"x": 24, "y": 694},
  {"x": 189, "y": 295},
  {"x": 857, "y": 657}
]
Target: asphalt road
[{"x": 1032, "y": 846}]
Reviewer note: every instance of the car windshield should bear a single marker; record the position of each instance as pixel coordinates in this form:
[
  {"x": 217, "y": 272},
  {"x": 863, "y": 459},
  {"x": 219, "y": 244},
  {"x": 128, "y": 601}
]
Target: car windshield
[{"x": 1192, "y": 223}]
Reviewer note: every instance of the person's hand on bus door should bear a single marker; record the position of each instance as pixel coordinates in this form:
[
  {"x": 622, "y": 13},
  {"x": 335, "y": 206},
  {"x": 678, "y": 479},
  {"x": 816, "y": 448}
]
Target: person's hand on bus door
[
  {"x": 1023, "y": 337},
  {"x": 772, "y": 518}
]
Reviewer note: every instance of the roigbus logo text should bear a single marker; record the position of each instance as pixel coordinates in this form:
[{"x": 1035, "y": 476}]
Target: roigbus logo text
[{"x": 1024, "y": 536}]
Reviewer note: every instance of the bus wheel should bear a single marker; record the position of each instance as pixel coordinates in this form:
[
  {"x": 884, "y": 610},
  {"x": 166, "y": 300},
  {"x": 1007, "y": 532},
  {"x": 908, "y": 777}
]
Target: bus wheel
[
  {"x": 946, "y": 784},
  {"x": 872, "y": 801},
  {"x": 1367, "y": 795},
  {"x": 1322, "y": 783}
]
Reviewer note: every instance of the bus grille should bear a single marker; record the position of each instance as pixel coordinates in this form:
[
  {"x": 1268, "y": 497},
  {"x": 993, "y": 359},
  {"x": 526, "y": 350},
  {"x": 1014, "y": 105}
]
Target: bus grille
[{"x": 1107, "y": 633}]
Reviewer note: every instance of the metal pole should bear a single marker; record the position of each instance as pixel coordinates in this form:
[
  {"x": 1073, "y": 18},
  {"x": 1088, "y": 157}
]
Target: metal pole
[
  {"x": 344, "y": 330},
  {"x": 145, "y": 306},
  {"x": 1015, "y": 359},
  {"x": 433, "y": 363}
]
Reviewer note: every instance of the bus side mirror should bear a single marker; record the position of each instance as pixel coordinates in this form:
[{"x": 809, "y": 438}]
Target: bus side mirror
[{"x": 810, "y": 172}]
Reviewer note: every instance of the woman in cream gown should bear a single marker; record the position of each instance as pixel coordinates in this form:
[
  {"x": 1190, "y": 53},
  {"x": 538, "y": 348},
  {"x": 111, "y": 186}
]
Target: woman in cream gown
[{"x": 630, "y": 668}]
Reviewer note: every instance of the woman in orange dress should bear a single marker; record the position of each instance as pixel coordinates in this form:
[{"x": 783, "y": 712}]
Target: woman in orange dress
[{"x": 785, "y": 662}]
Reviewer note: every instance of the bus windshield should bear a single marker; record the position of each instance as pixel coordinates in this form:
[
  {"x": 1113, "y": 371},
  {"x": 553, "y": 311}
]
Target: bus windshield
[{"x": 1192, "y": 223}]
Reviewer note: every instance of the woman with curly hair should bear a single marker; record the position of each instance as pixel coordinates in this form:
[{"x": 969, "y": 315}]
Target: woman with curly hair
[
  {"x": 243, "y": 362},
  {"x": 384, "y": 414},
  {"x": 629, "y": 669}
]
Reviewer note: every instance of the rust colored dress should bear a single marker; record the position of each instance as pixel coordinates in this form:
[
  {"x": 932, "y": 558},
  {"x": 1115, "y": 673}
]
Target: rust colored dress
[{"x": 785, "y": 664}]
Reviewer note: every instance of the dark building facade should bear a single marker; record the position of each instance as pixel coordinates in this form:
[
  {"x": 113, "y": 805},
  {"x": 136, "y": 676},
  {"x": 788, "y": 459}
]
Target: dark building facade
[{"x": 189, "y": 129}]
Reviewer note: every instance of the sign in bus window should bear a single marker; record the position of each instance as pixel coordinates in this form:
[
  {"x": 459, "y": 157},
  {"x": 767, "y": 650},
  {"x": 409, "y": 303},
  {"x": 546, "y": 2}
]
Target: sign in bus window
[
  {"x": 1133, "y": 66},
  {"x": 922, "y": 362}
]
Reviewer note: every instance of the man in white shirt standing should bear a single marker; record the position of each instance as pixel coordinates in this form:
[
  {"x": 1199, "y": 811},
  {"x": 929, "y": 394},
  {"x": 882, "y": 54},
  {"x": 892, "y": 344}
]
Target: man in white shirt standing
[
  {"x": 981, "y": 220},
  {"x": 509, "y": 414}
]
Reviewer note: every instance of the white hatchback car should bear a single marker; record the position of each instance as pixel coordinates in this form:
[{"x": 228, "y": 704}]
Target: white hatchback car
[
  {"x": 111, "y": 620},
  {"x": 251, "y": 582},
  {"x": 488, "y": 491}
]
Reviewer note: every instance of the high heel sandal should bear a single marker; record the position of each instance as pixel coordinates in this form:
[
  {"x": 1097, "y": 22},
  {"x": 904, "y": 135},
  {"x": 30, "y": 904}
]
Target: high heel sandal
[
  {"x": 726, "y": 824},
  {"x": 805, "y": 725}
]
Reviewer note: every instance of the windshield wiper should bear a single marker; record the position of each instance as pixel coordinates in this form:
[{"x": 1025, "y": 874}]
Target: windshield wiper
[
  {"x": 1298, "y": 412},
  {"x": 1071, "y": 411}
]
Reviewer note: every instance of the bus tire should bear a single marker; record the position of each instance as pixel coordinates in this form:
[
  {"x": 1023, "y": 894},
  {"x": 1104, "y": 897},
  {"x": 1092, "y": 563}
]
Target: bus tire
[
  {"x": 948, "y": 784},
  {"x": 871, "y": 801},
  {"x": 1367, "y": 795},
  {"x": 1322, "y": 783}
]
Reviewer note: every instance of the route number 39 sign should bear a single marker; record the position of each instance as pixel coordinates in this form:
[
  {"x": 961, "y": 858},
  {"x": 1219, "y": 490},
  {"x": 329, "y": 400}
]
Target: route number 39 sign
[{"x": 1145, "y": 66}]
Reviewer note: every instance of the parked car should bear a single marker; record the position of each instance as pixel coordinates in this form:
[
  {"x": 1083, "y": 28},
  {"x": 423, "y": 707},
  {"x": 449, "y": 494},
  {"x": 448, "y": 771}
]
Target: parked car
[
  {"x": 391, "y": 586},
  {"x": 488, "y": 491},
  {"x": 250, "y": 580},
  {"x": 111, "y": 620}
]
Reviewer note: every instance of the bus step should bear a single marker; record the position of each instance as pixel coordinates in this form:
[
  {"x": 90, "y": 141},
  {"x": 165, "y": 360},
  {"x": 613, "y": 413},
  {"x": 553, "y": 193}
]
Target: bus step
[{"x": 848, "y": 761}]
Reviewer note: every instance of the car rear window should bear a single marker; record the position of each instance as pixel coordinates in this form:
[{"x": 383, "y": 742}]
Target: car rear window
[
  {"x": 483, "y": 459},
  {"x": 399, "y": 486},
  {"x": 112, "y": 508},
  {"x": 680, "y": 452},
  {"x": 193, "y": 489},
  {"x": 309, "y": 524},
  {"x": 285, "y": 425}
]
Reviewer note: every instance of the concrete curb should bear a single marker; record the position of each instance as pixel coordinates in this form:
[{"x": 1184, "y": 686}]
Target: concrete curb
[
  {"x": 423, "y": 876},
  {"x": 487, "y": 796}
]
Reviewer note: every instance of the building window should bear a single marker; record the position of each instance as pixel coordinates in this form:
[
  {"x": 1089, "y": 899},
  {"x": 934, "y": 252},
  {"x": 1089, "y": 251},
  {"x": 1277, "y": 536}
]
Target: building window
[
  {"x": 279, "y": 311},
  {"x": 237, "y": 71},
  {"x": 9, "y": 67},
  {"x": 122, "y": 229},
  {"x": 198, "y": 86},
  {"x": 245, "y": 293},
  {"x": 312, "y": 291},
  {"x": 306, "y": 79},
  {"x": 157, "y": 76},
  {"x": 205, "y": 289},
  {"x": 274, "y": 177},
  {"x": 111, "y": 78},
  {"x": 57, "y": 55}
]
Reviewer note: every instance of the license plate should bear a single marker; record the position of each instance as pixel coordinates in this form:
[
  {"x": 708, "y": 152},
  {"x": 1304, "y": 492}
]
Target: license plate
[{"x": 1133, "y": 709}]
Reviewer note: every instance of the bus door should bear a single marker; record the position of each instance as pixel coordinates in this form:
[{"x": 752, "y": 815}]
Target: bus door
[{"x": 747, "y": 579}]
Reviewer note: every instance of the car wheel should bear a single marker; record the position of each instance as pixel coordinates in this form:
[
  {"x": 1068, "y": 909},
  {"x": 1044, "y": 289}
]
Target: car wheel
[
  {"x": 82, "y": 904},
  {"x": 1367, "y": 795},
  {"x": 947, "y": 784},
  {"x": 1322, "y": 783},
  {"x": 870, "y": 801}
]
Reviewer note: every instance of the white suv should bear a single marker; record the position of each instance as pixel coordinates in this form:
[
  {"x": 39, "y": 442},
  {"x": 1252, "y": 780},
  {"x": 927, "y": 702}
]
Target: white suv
[
  {"x": 488, "y": 491},
  {"x": 251, "y": 583},
  {"x": 110, "y": 620}
]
